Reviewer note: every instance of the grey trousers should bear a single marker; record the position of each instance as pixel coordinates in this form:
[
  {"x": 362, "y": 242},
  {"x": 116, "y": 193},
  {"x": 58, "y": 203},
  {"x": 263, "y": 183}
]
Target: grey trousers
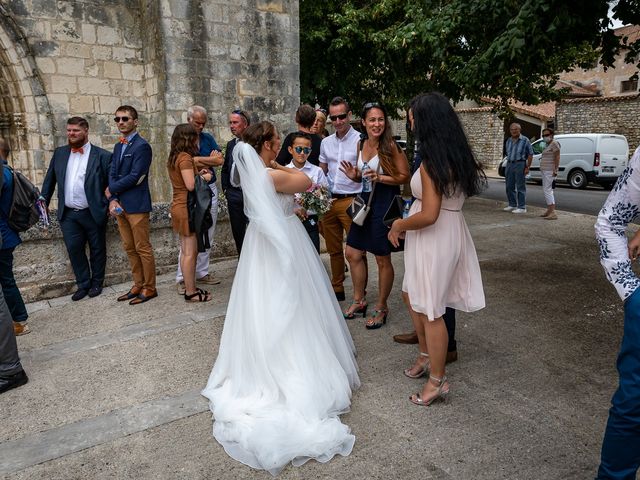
[{"x": 9, "y": 360}]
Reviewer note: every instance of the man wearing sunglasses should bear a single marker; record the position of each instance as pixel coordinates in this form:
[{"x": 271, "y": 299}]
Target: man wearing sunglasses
[
  {"x": 342, "y": 145},
  {"x": 238, "y": 122},
  {"x": 130, "y": 202},
  {"x": 305, "y": 118}
]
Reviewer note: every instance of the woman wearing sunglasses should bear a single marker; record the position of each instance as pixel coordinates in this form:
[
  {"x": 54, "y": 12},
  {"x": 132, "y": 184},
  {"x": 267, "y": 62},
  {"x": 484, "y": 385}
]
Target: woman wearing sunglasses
[{"x": 381, "y": 163}]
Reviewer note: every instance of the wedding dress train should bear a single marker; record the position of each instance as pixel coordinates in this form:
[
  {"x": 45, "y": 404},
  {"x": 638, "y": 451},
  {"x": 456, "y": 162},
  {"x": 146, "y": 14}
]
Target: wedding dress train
[{"x": 286, "y": 367}]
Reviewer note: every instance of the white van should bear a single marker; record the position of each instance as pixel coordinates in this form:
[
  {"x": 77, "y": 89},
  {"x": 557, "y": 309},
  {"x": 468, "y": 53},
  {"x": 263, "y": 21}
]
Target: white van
[{"x": 585, "y": 157}]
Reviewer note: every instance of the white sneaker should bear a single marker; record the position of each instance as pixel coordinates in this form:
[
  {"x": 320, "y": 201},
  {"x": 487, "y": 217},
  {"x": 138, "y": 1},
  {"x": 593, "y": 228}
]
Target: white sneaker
[
  {"x": 520, "y": 210},
  {"x": 509, "y": 209}
]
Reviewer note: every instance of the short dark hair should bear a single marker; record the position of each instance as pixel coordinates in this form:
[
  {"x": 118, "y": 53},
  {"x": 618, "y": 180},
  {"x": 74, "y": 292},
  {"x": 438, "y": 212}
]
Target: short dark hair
[
  {"x": 550, "y": 130},
  {"x": 243, "y": 114},
  {"x": 339, "y": 101},
  {"x": 128, "y": 108},
  {"x": 305, "y": 116},
  {"x": 296, "y": 135},
  {"x": 78, "y": 121}
]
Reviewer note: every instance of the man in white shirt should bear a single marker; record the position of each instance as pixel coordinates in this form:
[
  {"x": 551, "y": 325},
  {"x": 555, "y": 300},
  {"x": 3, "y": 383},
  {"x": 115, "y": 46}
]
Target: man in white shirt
[
  {"x": 300, "y": 149},
  {"x": 81, "y": 173},
  {"x": 342, "y": 145}
]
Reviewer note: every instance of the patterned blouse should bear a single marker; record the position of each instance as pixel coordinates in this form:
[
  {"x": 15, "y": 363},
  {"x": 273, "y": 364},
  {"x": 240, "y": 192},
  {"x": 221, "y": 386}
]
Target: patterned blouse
[
  {"x": 622, "y": 206},
  {"x": 548, "y": 158}
]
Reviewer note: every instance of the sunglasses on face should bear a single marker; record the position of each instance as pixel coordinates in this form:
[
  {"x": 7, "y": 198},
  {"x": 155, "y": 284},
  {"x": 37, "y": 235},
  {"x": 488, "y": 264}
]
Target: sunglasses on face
[
  {"x": 299, "y": 150},
  {"x": 118, "y": 119},
  {"x": 342, "y": 116}
]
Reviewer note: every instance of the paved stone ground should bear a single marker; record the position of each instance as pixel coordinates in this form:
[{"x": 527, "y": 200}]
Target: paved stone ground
[{"x": 114, "y": 389}]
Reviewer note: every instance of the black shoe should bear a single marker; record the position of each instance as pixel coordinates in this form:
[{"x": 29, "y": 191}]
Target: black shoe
[
  {"x": 13, "y": 381},
  {"x": 80, "y": 294},
  {"x": 340, "y": 296},
  {"x": 95, "y": 291}
]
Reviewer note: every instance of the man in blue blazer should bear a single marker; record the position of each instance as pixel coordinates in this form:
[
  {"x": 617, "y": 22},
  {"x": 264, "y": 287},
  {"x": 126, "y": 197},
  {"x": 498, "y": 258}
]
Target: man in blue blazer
[
  {"x": 130, "y": 202},
  {"x": 80, "y": 171}
]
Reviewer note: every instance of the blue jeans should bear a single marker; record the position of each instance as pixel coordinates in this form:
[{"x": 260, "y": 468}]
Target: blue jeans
[
  {"x": 514, "y": 179},
  {"x": 621, "y": 445},
  {"x": 11, "y": 293}
]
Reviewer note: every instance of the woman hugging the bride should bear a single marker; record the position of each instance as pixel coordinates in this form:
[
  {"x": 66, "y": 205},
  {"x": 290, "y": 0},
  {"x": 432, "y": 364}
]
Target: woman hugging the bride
[{"x": 286, "y": 364}]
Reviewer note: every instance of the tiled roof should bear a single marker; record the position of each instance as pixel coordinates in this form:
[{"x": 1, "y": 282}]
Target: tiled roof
[
  {"x": 616, "y": 98},
  {"x": 543, "y": 111},
  {"x": 575, "y": 90},
  {"x": 630, "y": 31}
]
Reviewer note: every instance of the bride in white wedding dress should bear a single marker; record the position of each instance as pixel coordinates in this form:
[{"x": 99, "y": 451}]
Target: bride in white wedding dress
[{"x": 286, "y": 367}]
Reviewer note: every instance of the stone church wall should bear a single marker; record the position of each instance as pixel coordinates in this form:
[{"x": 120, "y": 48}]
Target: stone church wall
[{"x": 86, "y": 57}]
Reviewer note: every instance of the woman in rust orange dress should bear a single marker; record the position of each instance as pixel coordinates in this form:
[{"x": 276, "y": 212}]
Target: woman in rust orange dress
[{"x": 182, "y": 173}]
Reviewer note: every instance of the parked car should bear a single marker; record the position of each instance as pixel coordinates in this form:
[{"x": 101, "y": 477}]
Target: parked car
[{"x": 584, "y": 157}]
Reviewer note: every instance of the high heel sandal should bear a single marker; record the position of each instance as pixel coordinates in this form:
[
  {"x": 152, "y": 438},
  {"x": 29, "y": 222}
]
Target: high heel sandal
[
  {"x": 362, "y": 309},
  {"x": 425, "y": 367},
  {"x": 441, "y": 392},
  {"x": 374, "y": 322},
  {"x": 199, "y": 296}
]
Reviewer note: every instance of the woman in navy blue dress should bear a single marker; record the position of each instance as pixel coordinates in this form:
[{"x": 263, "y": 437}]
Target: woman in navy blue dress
[{"x": 383, "y": 164}]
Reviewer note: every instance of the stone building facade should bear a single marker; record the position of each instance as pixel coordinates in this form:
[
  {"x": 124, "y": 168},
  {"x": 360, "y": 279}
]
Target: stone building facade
[
  {"x": 485, "y": 132},
  {"x": 86, "y": 57},
  {"x": 601, "y": 115}
]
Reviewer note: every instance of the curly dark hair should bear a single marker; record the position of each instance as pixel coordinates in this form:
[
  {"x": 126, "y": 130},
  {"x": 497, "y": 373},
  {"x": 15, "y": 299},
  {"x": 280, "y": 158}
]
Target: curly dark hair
[
  {"x": 443, "y": 146},
  {"x": 184, "y": 139}
]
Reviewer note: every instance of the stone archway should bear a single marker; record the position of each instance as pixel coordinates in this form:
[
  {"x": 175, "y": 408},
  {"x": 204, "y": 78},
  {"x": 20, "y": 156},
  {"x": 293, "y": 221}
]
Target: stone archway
[{"x": 25, "y": 113}]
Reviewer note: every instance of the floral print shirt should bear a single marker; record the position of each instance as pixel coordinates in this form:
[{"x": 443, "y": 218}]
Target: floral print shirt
[{"x": 622, "y": 206}]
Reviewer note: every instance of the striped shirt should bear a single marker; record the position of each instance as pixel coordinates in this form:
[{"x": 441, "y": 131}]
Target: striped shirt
[
  {"x": 519, "y": 150},
  {"x": 548, "y": 158}
]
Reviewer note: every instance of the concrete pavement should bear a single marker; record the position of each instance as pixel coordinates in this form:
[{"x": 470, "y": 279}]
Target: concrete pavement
[{"x": 114, "y": 389}]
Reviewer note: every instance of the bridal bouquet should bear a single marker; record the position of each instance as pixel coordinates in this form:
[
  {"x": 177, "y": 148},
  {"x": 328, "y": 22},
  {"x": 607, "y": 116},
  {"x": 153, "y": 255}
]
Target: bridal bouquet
[{"x": 316, "y": 198}]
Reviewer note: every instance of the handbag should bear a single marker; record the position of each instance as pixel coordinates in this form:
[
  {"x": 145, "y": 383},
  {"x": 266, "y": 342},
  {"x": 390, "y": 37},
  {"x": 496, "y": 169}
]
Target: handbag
[
  {"x": 394, "y": 212},
  {"x": 358, "y": 210},
  {"x": 199, "y": 211}
]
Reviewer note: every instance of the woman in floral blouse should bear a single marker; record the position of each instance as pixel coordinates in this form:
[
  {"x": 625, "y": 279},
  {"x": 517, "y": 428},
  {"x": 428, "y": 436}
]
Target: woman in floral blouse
[{"x": 621, "y": 444}]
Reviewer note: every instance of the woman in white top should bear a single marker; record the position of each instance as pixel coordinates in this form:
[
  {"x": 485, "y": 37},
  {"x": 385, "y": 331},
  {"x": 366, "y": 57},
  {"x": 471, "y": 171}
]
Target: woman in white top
[{"x": 384, "y": 167}]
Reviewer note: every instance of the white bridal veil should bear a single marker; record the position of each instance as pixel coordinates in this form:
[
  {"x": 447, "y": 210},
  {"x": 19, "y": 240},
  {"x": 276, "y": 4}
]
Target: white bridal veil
[{"x": 285, "y": 368}]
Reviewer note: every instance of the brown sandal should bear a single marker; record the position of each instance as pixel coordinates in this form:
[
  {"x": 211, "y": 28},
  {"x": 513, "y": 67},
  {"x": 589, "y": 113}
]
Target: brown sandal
[{"x": 201, "y": 295}]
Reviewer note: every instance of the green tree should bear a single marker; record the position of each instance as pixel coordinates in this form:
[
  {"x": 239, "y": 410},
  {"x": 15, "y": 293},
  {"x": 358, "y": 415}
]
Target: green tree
[{"x": 393, "y": 49}]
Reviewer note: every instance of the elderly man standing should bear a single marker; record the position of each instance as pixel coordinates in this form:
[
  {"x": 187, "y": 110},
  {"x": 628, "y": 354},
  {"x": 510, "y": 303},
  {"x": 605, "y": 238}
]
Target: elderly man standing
[
  {"x": 238, "y": 122},
  {"x": 210, "y": 157},
  {"x": 342, "y": 145},
  {"x": 519, "y": 155},
  {"x": 80, "y": 172}
]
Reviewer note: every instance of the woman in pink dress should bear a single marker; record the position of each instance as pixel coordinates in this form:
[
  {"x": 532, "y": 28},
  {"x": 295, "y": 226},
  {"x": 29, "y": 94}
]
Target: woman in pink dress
[{"x": 441, "y": 265}]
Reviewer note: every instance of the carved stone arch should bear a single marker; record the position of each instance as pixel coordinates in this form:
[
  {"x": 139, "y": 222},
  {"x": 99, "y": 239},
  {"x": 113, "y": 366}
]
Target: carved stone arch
[{"x": 25, "y": 113}]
